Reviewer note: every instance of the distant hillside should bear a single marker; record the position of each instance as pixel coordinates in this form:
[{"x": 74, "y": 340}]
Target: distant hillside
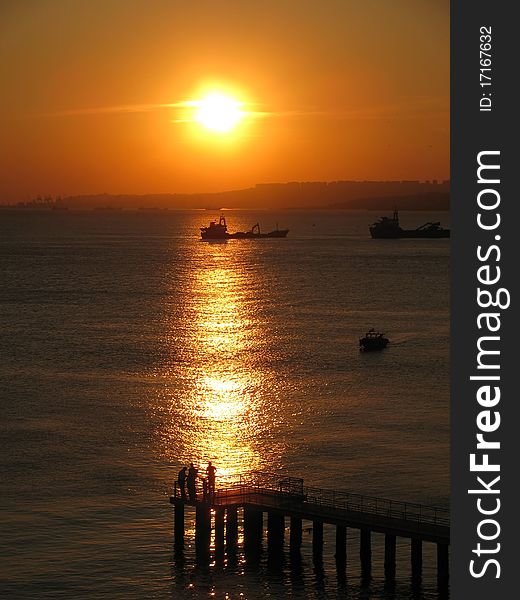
[
  {"x": 376, "y": 195},
  {"x": 429, "y": 201}
]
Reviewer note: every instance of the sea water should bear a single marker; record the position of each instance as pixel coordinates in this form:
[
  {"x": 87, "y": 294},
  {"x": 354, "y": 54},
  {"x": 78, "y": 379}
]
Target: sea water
[{"x": 129, "y": 348}]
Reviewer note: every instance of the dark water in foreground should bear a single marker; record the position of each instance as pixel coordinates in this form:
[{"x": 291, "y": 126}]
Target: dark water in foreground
[{"x": 129, "y": 347}]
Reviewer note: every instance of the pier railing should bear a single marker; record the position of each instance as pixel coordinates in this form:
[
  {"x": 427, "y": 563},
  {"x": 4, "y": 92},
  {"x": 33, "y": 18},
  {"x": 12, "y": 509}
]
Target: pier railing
[
  {"x": 396, "y": 509},
  {"x": 272, "y": 481},
  {"x": 284, "y": 490}
]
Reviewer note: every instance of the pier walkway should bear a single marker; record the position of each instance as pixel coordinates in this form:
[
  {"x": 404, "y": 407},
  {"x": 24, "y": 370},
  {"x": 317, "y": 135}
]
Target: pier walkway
[{"x": 280, "y": 497}]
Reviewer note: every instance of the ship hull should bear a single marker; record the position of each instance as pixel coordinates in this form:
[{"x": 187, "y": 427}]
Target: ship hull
[
  {"x": 249, "y": 235},
  {"x": 373, "y": 345},
  {"x": 384, "y": 235},
  {"x": 214, "y": 236},
  {"x": 243, "y": 235},
  {"x": 409, "y": 233}
]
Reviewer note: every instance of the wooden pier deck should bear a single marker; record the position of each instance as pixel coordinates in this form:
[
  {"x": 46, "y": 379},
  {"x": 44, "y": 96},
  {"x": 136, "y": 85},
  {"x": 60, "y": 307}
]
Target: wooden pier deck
[{"x": 280, "y": 497}]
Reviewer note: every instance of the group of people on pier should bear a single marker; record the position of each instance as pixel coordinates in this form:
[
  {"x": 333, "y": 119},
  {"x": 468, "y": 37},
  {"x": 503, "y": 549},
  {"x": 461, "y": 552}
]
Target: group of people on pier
[{"x": 187, "y": 481}]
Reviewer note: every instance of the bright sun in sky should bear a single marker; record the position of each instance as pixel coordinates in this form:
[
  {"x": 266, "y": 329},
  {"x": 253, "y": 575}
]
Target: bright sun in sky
[{"x": 218, "y": 112}]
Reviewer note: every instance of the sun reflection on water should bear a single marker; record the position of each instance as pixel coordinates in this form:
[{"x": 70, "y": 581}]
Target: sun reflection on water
[{"x": 216, "y": 409}]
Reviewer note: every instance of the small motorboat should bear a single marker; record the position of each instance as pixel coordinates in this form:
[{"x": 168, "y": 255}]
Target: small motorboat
[{"x": 373, "y": 340}]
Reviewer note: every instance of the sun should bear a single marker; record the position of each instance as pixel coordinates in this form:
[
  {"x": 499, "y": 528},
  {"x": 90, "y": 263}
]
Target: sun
[{"x": 218, "y": 112}]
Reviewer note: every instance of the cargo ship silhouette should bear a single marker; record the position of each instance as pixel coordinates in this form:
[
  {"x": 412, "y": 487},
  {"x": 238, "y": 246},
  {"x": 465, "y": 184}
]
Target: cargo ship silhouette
[{"x": 218, "y": 231}]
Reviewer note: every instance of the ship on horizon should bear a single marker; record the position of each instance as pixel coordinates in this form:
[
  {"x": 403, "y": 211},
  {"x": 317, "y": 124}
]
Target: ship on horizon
[
  {"x": 218, "y": 231},
  {"x": 389, "y": 228}
]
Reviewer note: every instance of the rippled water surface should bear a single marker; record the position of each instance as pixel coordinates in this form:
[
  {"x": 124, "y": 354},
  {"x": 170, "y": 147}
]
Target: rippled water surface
[{"x": 129, "y": 348}]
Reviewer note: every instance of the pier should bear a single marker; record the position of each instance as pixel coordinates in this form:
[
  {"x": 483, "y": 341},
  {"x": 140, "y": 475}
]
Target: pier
[{"x": 286, "y": 500}]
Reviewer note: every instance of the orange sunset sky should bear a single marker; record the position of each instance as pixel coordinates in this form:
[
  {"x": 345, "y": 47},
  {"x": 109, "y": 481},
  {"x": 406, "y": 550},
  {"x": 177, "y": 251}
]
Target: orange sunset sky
[{"x": 97, "y": 95}]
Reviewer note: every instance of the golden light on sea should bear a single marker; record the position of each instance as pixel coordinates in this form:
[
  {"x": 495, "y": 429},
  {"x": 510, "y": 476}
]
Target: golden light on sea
[{"x": 216, "y": 397}]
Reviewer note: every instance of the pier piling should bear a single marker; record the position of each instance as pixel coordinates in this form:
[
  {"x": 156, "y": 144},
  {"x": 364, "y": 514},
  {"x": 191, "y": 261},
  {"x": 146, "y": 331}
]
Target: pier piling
[
  {"x": 341, "y": 544},
  {"x": 178, "y": 524},
  {"x": 390, "y": 545},
  {"x": 219, "y": 529},
  {"x": 317, "y": 538},
  {"x": 365, "y": 549},
  {"x": 202, "y": 532},
  {"x": 416, "y": 556},
  {"x": 442, "y": 562},
  {"x": 275, "y": 531},
  {"x": 295, "y": 539},
  {"x": 231, "y": 527},
  {"x": 202, "y": 523},
  {"x": 253, "y": 529}
]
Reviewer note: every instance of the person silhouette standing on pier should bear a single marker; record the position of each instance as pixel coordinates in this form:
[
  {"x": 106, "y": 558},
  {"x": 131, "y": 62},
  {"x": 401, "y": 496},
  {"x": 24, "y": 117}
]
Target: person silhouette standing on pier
[
  {"x": 191, "y": 479},
  {"x": 211, "y": 473},
  {"x": 181, "y": 478}
]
